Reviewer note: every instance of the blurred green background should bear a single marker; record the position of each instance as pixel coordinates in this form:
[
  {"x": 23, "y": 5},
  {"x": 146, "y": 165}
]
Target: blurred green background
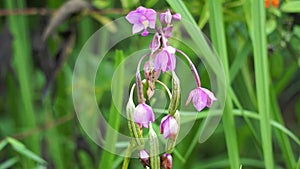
[{"x": 40, "y": 41}]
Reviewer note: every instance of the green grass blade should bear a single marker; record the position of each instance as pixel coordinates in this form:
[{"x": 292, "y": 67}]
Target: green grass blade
[
  {"x": 219, "y": 41},
  {"x": 9, "y": 163},
  {"x": 247, "y": 77},
  {"x": 298, "y": 163},
  {"x": 286, "y": 78},
  {"x": 283, "y": 140},
  {"x": 240, "y": 60},
  {"x": 20, "y": 148},
  {"x": 247, "y": 120},
  {"x": 22, "y": 63},
  {"x": 262, "y": 80},
  {"x": 107, "y": 158},
  {"x": 3, "y": 143}
]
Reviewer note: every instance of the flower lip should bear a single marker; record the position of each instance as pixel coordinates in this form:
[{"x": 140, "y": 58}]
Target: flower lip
[
  {"x": 143, "y": 115},
  {"x": 201, "y": 98}
]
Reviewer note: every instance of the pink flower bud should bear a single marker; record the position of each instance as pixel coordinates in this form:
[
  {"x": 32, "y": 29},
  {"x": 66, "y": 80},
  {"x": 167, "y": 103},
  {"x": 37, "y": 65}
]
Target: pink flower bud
[
  {"x": 166, "y": 161},
  {"x": 143, "y": 115},
  {"x": 177, "y": 17},
  {"x": 165, "y": 60},
  {"x": 169, "y": 127},
  {"x": 166, "y": 18},
  {"x": 144, "y": 158}
]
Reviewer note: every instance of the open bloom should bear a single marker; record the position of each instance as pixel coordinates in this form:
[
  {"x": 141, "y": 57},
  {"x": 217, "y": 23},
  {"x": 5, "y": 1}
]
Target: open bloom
[
  {"x": 143, "y": 115},
  {"x": 166, "y": 161},
  {"x": 142, "y": 18},
  {"x": 169, "y": 127},
  {"x": 165, "y": 60},
  {"x": 201, "y": 98}
]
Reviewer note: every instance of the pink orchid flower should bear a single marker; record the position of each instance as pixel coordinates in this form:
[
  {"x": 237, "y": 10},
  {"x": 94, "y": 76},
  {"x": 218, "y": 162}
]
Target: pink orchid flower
[
  {"x": 142, "y": 18},
  {"x": 143, "y": 115},
  {"x": 169, "y": 127},
  {"x": 201, "y": 98},
  {"x": 165, "y": 60}
]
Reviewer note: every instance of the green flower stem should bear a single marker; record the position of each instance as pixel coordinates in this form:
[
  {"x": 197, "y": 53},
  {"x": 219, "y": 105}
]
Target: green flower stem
[
  {"x": 219, "y": 41},
  {"x": 107, "y": 158},
  {"x": 193, "y": 68},
  {"x": 283, "y": 140},
  {"x": 166, "y": 87},
  {"x": 127, "y": 156}
]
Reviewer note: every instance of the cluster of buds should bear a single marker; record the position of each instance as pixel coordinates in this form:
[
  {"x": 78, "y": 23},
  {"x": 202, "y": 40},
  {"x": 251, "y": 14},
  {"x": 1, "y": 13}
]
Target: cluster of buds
[{"x": 160, "y": 59}]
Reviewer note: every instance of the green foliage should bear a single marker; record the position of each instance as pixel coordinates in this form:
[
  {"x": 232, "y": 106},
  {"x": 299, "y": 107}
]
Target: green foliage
[
  {"x": 20, "y": 148},
  {"x": 258, "y": 48},
  {"x": 291, "y": 6}
]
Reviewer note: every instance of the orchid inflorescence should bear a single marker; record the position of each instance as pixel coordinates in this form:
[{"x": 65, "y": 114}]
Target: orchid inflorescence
[{"x": 160, "y": 59}]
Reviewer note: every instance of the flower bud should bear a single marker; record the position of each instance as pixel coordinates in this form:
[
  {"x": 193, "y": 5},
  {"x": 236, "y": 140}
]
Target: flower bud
[
  {"x": 166, "y": 18},
  {"x": 171, "y": 143},
  {"x": 143, "y": 115},
  {"x": 176, "y": 16},
  {"x": 135, "y": 131},
  {"x": 175, "y": 94},
  {"x": 144, "y": 158},
  {"x": 166, "y": 161},
  {"x": 165, "y": 60},
  {"x": 169, "y": 127},
  {"x": 154, "y": 149}
]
